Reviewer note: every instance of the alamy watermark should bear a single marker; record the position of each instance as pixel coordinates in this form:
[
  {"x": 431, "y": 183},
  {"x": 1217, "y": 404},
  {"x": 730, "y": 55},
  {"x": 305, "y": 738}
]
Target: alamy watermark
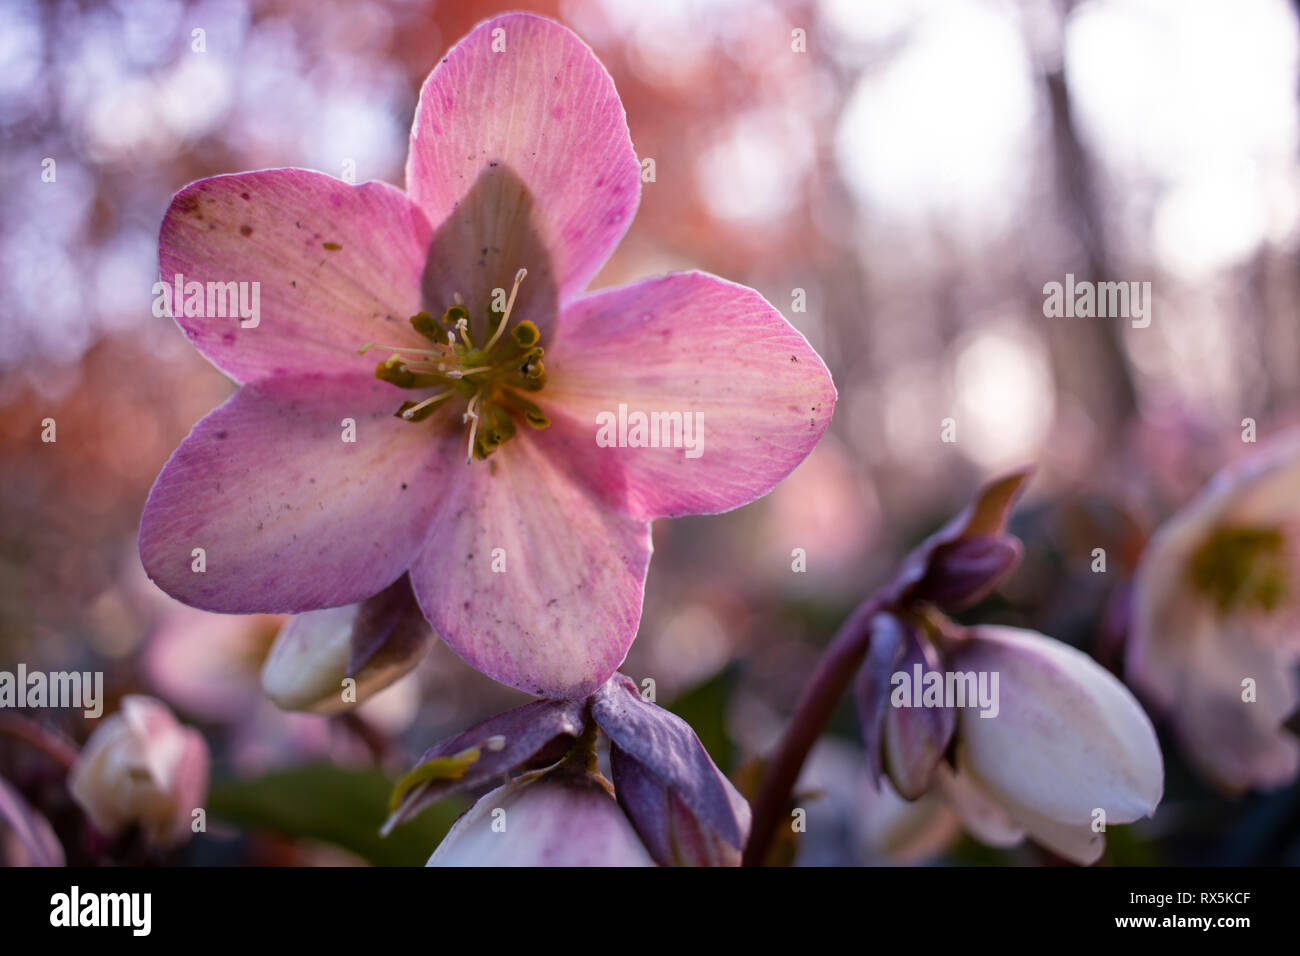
[
  {"x": 84, "y": 689},
  {"x": 637, "y": 429},
  {"x": 213, "y": 300},
  {"x": 946, "y": 689},
  {"x": 1099, "y": 300}
]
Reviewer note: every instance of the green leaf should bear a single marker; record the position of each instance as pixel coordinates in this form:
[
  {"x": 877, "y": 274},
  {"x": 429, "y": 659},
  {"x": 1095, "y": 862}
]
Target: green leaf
[{"x": 342, "y": 806}]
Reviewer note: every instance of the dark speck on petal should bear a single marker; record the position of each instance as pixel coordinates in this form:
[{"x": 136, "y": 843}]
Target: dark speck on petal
[{"x": 245, "y": 230}]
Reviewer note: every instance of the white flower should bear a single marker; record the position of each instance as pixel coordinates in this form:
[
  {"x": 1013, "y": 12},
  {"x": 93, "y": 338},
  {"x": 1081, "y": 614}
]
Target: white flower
[
  {"x": 1216, "y": 633},
  {"x": 1069, "y": 749}
]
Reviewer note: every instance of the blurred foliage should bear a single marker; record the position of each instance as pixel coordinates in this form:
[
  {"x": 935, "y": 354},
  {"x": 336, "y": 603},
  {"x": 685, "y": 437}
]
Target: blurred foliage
[{"x": 335, "y": 805}]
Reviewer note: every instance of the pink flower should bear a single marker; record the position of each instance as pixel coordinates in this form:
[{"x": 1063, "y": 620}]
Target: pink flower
[
  {"x": 141, "y": 766},
  {"x": 1216, "y": 628},
  {"x": 530, "y": 561}
]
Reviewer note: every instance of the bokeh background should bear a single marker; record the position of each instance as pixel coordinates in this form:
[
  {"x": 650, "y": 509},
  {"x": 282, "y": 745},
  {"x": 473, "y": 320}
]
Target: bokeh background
[{"x": 919, "y": 171}]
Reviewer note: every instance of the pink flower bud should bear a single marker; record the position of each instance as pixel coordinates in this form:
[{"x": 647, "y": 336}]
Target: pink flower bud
[{"x": 142, "y": 766}]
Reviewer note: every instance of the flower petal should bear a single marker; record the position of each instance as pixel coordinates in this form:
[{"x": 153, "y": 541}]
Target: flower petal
[
  {"x": 292, "y": 517},
  {"x": 1068, "y": 736},
  {"x": 539, "y": 732},
  {"x": 711, "y": 350},
  {"x": 978, "y": 811},
  {"x": 685, "y": 809},
  {"x": 550, "y": 821},
  {"x": 335, "y": 266},
  {"x": 527, "y": 93},
  {"x": 559, "y": 618}
]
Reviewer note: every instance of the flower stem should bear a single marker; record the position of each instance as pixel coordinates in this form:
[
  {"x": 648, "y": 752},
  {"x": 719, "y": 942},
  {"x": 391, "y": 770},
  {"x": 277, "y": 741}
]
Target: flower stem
[
  {"x": 841, "y": 660},
  {"x": 52, "y": 744}
]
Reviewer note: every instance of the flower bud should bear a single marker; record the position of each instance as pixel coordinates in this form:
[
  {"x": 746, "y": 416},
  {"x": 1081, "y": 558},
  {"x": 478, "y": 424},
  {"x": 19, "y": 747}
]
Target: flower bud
[
  {"x": 375, "y": 643},
  {"x": 967, "y": 558},
  {"x": 141, "y": 766},
  {"x": 904, "y": 741}
]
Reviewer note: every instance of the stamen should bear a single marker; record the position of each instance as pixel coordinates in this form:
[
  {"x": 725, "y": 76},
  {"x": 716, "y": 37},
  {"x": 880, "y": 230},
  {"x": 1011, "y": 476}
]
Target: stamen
[
  {"x": 510, "y": 304},
  {"x": 462, "y": 372},
  {"x": 462, "y": 326},
  {"x": 411, "y": 412},
  {"x": 401, "y": 350},
  {"x": 471, "y": 414}
]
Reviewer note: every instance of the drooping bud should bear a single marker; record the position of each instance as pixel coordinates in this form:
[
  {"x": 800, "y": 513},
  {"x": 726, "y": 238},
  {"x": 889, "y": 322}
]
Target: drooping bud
[
  {"x": 684, "y": 808},
  {"x": 906, "y": 731},
  {"x": 373, "y": 643},
  {"x": 969, "y": 557},
  {"x": 141, "y": 766}
]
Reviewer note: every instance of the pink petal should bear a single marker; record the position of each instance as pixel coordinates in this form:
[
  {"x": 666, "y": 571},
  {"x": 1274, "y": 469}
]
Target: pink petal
[
  {"x": 559, "y": 619},
  {"x": 549, "y": 821},
  {"x": 317, "y": 304},
  {"x": 714, "y": 351},
  {"x": 544, "y": 109},
  {"x": 290, "y": 516}
]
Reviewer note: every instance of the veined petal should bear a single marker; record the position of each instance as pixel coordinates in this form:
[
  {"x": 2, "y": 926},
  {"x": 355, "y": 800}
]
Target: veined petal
[
  {"x": 537, "y": 734},
  {"x": 687, "y": 812},
  {"x": 529, "y": 575},
  {"x": 750, "y": 396},
  {"x": 334, "y": 266},
  {"x": 554, "y": 820},
  {"x": 290, "y": 516},
  {"x": 1068, "y": 736},
  {"x": 526, "y": 93}
]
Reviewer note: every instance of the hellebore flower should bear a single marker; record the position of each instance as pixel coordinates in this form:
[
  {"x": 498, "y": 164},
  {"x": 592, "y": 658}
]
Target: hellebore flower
[
  {"x": 141, "y": 766},
  {"x": 674, "y": 807},
  {"x": 374, "y": 643},
  {"x": 1022, "y": 733},
  {"x": 1070, "y": 750},
  {"x": 1216, "y": 626},
  {"x": 325, "y": 477},
  {"x": 1059, "y": 749}
]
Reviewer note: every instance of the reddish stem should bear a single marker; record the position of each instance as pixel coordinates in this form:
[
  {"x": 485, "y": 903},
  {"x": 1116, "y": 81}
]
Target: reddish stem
[
  {"x": 53, "y": 745},
  {"x": 841, "y": 660}
]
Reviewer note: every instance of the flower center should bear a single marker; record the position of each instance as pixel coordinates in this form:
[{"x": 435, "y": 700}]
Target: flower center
[
  {"x": 1243, "y": 568},
  {"x": 492, "y": 378}
]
